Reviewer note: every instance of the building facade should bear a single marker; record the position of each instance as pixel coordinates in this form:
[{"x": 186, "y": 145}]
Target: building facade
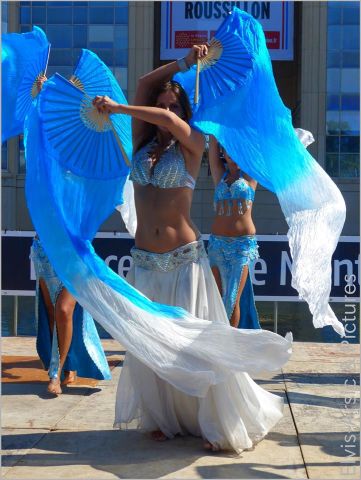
[{"x": 320, "y": 86}]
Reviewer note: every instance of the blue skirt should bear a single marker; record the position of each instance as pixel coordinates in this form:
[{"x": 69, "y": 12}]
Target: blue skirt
[
  {"x": 231, "y": 255},
  {"x": 86, "y": 355}
]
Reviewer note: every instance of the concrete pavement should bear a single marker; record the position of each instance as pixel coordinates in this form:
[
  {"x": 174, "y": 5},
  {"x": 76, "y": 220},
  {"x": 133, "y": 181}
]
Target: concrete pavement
[{"x": 72, "y": 436}]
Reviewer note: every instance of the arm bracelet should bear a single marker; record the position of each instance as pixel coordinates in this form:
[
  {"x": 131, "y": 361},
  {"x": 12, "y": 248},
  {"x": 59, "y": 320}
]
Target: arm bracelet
[{"x": 182, "y": 64}]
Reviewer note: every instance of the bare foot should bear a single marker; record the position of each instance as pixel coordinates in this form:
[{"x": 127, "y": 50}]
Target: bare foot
[
  {"x": 208, "y": 445},
  {"x": 54, "y": 387},
  {"x": 158, "y": 436},
  {"x": 69, "y": 377}
]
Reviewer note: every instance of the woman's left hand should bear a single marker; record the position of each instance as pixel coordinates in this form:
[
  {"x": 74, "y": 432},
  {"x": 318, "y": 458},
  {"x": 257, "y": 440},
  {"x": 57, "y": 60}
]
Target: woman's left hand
[{"x": 105, "y": 104}]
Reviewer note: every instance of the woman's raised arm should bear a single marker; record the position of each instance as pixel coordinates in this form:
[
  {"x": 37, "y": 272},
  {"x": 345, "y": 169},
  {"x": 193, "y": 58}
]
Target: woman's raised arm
[
  {"x": 215, "y": 162},
  {"x": 148, "y": 82}
]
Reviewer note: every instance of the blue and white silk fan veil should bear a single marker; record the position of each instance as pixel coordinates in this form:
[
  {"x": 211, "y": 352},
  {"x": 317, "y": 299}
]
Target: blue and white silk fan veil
[
  {"x": 252, "y": 123},
  {"x": 23, "y": 58},
  {"x": 67, "y": 209}
]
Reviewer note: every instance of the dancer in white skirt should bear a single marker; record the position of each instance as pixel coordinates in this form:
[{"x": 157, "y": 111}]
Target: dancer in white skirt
[{"x": 171, "y": 267}]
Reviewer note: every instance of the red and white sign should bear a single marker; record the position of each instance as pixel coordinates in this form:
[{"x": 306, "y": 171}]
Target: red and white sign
[{"x": 190, "y": 23}]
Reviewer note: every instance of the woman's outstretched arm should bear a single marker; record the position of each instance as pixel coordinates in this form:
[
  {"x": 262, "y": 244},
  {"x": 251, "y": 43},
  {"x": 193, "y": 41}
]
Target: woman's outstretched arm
[
  {"x": 215, "y": 162},
  {"x": 192, "y": 139}
]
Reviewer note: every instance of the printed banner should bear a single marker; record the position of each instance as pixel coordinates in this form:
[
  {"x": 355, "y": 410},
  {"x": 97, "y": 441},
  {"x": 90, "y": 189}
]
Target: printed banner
[
  {"x": 185, "y": 24},
  {"x": 271, "y": 275}
]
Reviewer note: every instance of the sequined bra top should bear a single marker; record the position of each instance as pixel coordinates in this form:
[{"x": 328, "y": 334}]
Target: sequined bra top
[
  {"x": 169, "y": 172},
  {"x": 237, "y": 191}
]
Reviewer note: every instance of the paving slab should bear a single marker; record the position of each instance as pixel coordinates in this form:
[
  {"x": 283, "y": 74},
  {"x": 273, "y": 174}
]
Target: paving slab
[
  {"x": 29, "y": 406},
  {"x": 16, "y": 443},
  {"x": 130, "y": 454}
]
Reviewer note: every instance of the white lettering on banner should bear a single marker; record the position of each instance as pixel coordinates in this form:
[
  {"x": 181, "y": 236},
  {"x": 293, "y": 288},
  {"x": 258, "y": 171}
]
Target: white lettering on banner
[
  {"x": 221, "y": 9},
  {"x": 121, "y": 267},
  {"x": 285, "y": 262},
  {"x": 336, "y": 270},
  {"x": 258, "y": 271},
  {"x": 191, "y": 23}
]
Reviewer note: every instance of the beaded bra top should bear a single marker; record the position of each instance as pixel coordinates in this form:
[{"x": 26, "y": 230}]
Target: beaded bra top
[
  {"x": 169, "y": 172},
  {"x": 237, "y": 191}
]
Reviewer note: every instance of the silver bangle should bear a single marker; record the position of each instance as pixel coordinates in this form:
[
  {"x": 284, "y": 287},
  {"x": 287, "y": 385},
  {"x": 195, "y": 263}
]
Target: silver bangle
[{"x": 182, "y": 64}]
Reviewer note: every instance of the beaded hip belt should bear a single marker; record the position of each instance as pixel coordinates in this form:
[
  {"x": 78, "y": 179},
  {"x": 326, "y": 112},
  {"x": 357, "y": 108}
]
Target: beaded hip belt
[{"x": 165, "y": 262}]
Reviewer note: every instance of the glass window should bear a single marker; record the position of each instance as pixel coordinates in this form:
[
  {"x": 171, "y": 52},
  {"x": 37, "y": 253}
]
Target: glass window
[
  {"x": 25, "y": 28},
  {"x": 60, "y": 57},
  {"x": 121, "y": 75},
  {"x": 350, "y": 80},
  {"x": 350, "y": 166},
  {"x": 334, "y": 38},
  {"x": 350, "y": 16},
  {"x": 4, "y": 156},
  {"x": 121, "y": 4},
  {"x": 80, "y": 36},
  {"x": 25, "y": 15},
  {"x": 59, "y": 4},
  {"x": 121, "y": 15},
  {"x": 334, "y": 16},
  {"x": 59, "y": 15},
  {"x": 333, "y": 59},
  {"x": 333, "y": 102},
  {"x": 350, "y": 102},
  {"x": 101, "y": 15},
  {"x": 334, "y": 4},
  {"x": 350, "y": 59},
  {"x": 76, "y": 53},
  {"x": 332, "y": 162},
  {"x": 4, "y": 17},
  {"x": 101, "y": 36},
  {"x": 333, "y": 79},
  {"x": 102, "y": 4},
  {"x": 351, "y": 37},
  {"x": 39, "y": 15},
  {"x": 80, "y": 15},
  {"x": 350, "y": 123},
  {"x": 350, "y": 144},
  {"x": 121, "y": 58},
  {"x": 121, "y": 36},
  {"x": 65, "y": 72},
  {"x": 106, "y": 56},
  {"x": 81, "y": 4},
  {"x": 60, "y": 36},
  {"x": 332, "y": 123},
  {"x": 22, "y": 163},
  {"x": 332, "y": 144}
]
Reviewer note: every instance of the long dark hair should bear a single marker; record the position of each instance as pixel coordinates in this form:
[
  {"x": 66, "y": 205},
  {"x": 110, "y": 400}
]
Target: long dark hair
[{"x": 178, "y": 90}]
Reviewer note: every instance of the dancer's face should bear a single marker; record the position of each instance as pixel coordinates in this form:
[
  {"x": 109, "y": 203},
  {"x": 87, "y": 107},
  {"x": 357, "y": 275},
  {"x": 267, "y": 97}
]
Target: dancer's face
[
  {"x": 228, "y": 158},
  {"x": 169, "y": 101}
]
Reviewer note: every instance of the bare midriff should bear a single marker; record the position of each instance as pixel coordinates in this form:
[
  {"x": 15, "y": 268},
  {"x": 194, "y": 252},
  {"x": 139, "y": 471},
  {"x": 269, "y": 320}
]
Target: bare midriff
[
  {"x": 163, "y": 215},
  {"x": 236, "y": 225}
]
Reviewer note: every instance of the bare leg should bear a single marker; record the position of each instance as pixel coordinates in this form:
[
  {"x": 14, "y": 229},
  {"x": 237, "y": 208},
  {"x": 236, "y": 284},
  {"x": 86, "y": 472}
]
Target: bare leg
[
  {"x": 236, "y": 315},
  {"x": 64, "y": 322},
  {"x": 54, "y": 383},
  {"x": 217, "y": 277}
]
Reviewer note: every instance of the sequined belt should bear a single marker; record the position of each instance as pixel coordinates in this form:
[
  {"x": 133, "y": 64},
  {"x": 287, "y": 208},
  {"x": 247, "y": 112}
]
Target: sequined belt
[{"x": 165, "y": 262}]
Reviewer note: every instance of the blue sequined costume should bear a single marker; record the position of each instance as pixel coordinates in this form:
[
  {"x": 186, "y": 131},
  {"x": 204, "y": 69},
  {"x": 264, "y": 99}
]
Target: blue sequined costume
[
  {"x": 86, "y": 355},
  {"x": 231, "y": 254}
]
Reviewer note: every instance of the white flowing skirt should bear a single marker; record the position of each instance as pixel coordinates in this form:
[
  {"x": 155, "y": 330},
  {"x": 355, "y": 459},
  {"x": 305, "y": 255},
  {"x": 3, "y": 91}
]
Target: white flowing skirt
[{"x": 234, "y": 414}]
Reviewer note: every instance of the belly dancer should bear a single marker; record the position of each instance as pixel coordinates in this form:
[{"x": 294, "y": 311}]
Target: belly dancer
[
  {"x": 232, "y": 246},
  {"x": 171, "y": 267},
  {"x": 67, "y": 341}
]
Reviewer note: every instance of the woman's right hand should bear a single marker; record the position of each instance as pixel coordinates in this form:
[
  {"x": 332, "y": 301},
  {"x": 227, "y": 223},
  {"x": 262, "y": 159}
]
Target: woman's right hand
[
  {"x": 40, "y": 80},
  {"x": 197, "y": 51}
]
